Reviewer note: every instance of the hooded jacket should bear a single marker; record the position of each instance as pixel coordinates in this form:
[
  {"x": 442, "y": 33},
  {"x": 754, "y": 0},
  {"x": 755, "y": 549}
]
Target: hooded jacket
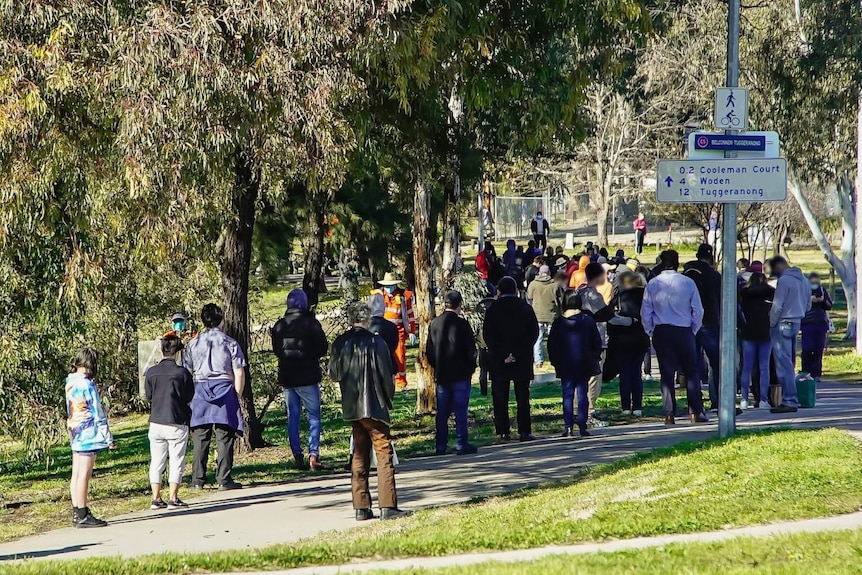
[
  {"x": 792, "y": 297},
  {"x": 756, "y": 301},
  {"x": 543, "y": 295},
  {"x": 381, "y": 326},
  {"x": 510, "y": 328},
  {"x": 574, "y": 347},
  {"x": 579, "y": 276},
  {"x": 818, "y": 314},
  {"x": 299, "y": 343},
  {"x": 87, "y": 423},
  {"x": 361, "y": 364}
]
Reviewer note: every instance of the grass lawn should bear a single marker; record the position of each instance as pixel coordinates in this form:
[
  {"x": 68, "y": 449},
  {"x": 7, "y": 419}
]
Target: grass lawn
[
  {"x": 750, "y": 479},
  {"x": 836, "y": 553},
  {"x": 34, "y": 497}
]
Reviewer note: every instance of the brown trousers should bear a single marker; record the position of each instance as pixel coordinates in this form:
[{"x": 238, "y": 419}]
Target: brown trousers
[{"x": 368, "y": 434}]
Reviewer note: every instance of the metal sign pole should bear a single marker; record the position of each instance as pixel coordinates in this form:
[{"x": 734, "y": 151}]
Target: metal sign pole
[{"x": 727, "y": 395}]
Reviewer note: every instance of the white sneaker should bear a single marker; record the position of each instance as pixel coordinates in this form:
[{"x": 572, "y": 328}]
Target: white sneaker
[
  {"x": 637, "y": 413},
  {"x": 647, "y": 377},
  {"x": 743, "y": 404},
  {"x": 627, "y": 412}
]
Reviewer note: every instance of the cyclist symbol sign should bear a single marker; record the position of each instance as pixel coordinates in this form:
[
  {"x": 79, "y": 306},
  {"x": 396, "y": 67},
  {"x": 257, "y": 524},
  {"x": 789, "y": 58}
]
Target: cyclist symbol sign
[{"x": 731, "y": 109}]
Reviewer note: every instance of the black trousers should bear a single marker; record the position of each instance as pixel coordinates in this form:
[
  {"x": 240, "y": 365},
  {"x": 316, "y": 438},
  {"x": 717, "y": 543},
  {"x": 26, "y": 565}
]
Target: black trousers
[
  {"x": 500, "y": 395},
  {"x": 541, "y": 241},
  {"x": 676, "y": 352},
  {"x": 484, "y": 360},
  {"x": 202, "y": 439}
]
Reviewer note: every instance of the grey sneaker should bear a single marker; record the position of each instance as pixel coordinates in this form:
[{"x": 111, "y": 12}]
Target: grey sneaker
[
  {"x": 158, "y": 504},
  {"x": 592, "y": 421}
]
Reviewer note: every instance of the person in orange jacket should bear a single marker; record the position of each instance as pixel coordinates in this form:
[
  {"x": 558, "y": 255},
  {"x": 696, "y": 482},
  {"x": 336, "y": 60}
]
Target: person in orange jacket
[
  {"x": 399, "y": 310},
  {"x": 579, "y": 276}
]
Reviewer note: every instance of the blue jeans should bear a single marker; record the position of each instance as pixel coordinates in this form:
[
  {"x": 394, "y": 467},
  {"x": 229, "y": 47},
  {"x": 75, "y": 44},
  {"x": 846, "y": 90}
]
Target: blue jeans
[
  {"x": 631, "y": 380},
  {"x": 538, "y": 352},
  {"x": 784, "y": 351},
  {"x": 452, "y": 398},
  {"x": 813, "y": 344},
  {"x": 755, "y": 353},
  {"x": 708, "y": 343},
  {"x": 296, "y": 398},
  {"x": 569, "y": 387}
]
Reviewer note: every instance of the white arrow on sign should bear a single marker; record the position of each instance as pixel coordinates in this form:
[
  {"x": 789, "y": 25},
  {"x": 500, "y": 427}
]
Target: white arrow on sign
[{"x": 721, "y": 181}]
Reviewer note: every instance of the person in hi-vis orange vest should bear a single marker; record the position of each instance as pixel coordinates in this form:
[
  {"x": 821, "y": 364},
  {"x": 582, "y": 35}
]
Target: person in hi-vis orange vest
[{"x": 399, "y": 310}]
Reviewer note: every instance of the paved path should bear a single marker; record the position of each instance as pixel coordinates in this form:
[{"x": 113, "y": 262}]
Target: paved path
[
  {"x": 287, "y": 512},
  {"x": 851, "y": 521}
]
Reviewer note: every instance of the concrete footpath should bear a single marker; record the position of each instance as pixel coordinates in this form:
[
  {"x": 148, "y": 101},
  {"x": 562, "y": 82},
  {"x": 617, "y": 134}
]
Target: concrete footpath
[{"x": 284, "y": 513}]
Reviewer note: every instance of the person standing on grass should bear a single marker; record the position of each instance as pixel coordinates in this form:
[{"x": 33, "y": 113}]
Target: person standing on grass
[
  {"x": 170, "y": 389},
  {"x": 510, "y": 331},
  {"x": 299, "y": 343},
  {"x": 708, "y": 282},
  {"x": 574, "y": 348},
  {"x": 594, "y": 303},
  {"x": 543, "y": 296},
  {"x": 791, "y": 303},
  {"x": 627, "y": 340},
  {"x": 815, "y": 327},
  {"x": 672, "y": 314},
  {"x": 361, "y": 363},
  {"x": 484, "y": 355},
  {"x": 218, "y": 365},
  {"x": 756, "y": 302},
  {"x": 89, "y": 433},
  {"x": 541, "y": 230},
  {"x": 452, "y": 354}
]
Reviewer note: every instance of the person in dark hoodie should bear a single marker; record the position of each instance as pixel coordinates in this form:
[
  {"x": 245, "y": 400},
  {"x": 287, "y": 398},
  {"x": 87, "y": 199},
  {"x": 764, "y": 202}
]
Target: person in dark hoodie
[
  {"x": 452, "y": 353},
  {"x": 628, "y": 343},
  {"x": 510, "y": 256},
  {"x": 574, "y": 348},
  {"x": 708, "y": 282},
  {"x": 218, "y": 365},
  {"x": 756, "y": 302},
  {"x": 299, "y": 344},
  {"x": 791, "y": 302},
  {"x": 510, "y": 331},
  {"x": 815, "y": 327}
]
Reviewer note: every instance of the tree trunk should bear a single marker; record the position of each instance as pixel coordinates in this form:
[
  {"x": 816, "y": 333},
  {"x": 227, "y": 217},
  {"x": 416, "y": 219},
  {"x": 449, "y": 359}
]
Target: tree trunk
[
  {"x": 451, "y": 232},
  {"x": 235, "y": 268},
  {"x": 604, "y": 209},
  {"x": 313, "y": 282},
  {"x": 847, "y": 273},
  {"x": 426, "y": 396}
]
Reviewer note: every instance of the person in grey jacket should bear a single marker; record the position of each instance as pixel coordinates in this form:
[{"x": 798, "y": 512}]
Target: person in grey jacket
[
  {"x": 362, "y": 365},
  {"x": 791, "y": 302}
]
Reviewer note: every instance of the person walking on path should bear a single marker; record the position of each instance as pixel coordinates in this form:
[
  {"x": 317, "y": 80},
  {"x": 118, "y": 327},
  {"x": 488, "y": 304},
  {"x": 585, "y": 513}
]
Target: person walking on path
[
  {"x": 791, "y": 303},
  {"x": 672, "y": 314},
  {"x": 756, "y": 302},
  {"x": 595, "y": 304},
  {"x": 815, "y": 327},
  {"x": 361, "y": 364},
  {"x": 708, "y": 282},
  {"x": 89, "y": 433},
  {"x": 574, "y": 348},
  {"x": 170, "y": 389},
  {"x": 299, "y": 343},
  {"x": 399, "y": 310},
  {"x": 543, "y": 295},
  {"x": 218, "y": 365},
  {"x": 640, "y": 227},
  {"x": 510, "y": 331},
  {"x": 541, "y": 230},
  {"x": 627, "y": 340},
  {"x": 452, "y": 354}
]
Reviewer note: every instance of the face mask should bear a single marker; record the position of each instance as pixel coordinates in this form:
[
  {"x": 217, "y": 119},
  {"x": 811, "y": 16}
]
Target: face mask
[
  {"x": 179, "y": 326},
  {"x": 815, "y": 286},
  {"x": 390, "y": 289}
]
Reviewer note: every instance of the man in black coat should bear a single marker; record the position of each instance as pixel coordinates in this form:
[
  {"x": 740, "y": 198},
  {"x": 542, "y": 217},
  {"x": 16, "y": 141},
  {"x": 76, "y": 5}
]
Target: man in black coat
[
  {"x": 708, "y": 282},
  {"x": 452, "y": 354},
  {"x": 299, "y": 343},
  {"x": 510, "y": 331}
]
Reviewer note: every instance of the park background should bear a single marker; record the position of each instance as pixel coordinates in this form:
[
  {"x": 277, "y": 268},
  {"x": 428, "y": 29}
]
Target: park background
[{"x": 155, "y": 159}]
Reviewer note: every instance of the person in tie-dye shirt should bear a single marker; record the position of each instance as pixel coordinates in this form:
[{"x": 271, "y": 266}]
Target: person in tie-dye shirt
[{"x": 88, "y": 433}]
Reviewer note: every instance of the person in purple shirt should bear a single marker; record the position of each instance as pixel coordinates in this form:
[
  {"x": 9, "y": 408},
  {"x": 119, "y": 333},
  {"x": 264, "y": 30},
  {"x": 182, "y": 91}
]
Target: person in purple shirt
[
  {"x": 672, "y": 314},
  {"x": 218, "y": 366}
]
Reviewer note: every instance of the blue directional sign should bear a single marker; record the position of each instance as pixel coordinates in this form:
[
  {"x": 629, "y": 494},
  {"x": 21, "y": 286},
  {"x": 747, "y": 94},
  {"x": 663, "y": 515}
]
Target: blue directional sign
[{"x": 735, "y": 143}]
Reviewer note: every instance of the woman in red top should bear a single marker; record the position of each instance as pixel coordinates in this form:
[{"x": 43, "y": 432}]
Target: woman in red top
[{"x": 640, "y": 233}]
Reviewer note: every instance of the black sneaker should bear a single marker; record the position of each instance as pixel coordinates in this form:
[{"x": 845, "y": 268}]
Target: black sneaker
[
  {"x": 783, "y": 409},
  {"x": 439, "y": 452},
  {"x": 230, "y": 486},
  {"x": 177, "y": 504},
  {"x": 585, "y": 433},
  {"x": 567, "y": 432},
  {"x": 527, "y": 437},
  {"x": 364, "y": 515},
  {"x": 388, "y": 513},
  {"x": 90, "y": 522},
  {"x": 504, "y": 437},
  {"x": 158, "y": 504},
  {"x": 467, "y": 450}
]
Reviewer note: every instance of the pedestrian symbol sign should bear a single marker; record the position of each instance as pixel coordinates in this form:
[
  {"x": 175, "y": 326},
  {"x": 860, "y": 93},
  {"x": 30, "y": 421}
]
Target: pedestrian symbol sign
[{"x": 731, "y": 109}]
